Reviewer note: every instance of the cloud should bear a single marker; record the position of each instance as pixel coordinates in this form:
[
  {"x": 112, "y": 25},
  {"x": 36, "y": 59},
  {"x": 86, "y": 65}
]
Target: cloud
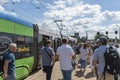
[
  {"x": 4, "y": 11},
  {"x": 114, "y": 15},
  {"x": 3, "y": 1},
  {"x": 75, "y": 14},
  {"x": 1, "y": 8},
  {"x": 81, "y": 15}
]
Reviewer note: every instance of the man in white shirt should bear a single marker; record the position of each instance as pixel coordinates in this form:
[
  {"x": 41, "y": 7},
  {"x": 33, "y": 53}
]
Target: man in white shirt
[{"x": 66, "y": 55}]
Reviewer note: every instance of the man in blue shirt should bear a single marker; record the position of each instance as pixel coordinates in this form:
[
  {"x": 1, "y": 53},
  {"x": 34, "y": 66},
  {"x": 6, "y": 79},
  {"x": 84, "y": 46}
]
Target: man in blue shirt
[
  {"x": 48, "y": 58},
  {"x": 9, "y": 63},
  {"x": 99, "y": 61}
]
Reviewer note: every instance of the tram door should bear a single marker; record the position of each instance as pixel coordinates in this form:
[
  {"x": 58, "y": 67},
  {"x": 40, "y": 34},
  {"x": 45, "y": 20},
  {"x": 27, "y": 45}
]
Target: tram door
[{"x": 35, "y": 46}]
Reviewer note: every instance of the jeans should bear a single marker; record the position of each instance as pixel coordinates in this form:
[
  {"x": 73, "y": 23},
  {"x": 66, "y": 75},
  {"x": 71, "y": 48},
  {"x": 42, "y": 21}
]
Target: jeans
[
  {"x": 11, "y": 77},
  {"x": 48, "y": 71},
  {"x": 66, "y": 74},
  {"x": 83, "y": 63}
]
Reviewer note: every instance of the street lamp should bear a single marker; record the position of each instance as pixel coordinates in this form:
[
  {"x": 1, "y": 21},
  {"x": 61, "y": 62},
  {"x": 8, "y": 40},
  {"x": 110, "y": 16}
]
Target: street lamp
[{"x": 86, "y": 31}]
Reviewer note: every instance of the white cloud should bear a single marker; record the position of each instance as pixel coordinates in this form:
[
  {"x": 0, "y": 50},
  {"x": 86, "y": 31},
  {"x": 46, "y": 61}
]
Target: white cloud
[
  {"x": 81, "y": 15},
  {"x": 1, "y": 8},
  {"x": 75, "y": 15},
  {"x": 112, "y": 15},
  {"x": 69, "y": 12},
  {"x": 3, "y": 1}
]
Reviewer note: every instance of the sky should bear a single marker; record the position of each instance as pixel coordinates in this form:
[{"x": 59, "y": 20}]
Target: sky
[{"x": 78, "y": 16}]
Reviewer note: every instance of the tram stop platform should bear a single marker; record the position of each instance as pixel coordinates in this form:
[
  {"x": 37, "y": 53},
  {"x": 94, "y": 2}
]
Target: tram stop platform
[{"x": 77, "y": 74}]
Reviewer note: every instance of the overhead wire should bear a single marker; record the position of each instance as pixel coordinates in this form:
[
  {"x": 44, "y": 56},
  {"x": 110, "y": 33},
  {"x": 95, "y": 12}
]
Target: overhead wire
[
  {"x": 41, "y": 8},
  {"x": 13, "y": 10},
  {"x": 47, "y": 9},
  {"x": 37, "y": 7},
  {"x": 32, "y": 15}
]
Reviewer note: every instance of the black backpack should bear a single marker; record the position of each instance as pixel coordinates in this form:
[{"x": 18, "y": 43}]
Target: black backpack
[{"x": 112, "y": 61}]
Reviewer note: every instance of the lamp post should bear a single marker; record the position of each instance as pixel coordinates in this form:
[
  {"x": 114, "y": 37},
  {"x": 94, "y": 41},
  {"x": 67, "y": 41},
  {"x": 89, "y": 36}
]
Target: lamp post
[{"x": 86, "y": 31}]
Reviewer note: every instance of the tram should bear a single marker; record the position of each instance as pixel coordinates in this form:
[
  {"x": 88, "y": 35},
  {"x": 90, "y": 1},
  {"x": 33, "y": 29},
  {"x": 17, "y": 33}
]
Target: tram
[{"x": 24, "y": 34}]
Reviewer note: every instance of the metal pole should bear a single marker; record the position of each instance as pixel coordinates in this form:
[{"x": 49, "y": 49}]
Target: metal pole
[{"x": 60, "y": 27}]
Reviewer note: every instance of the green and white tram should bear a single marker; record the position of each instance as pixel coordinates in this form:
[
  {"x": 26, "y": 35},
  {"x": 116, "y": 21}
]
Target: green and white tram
[
  {"x": 29, "y": 39},
  {"x": 24, "y": 34}
]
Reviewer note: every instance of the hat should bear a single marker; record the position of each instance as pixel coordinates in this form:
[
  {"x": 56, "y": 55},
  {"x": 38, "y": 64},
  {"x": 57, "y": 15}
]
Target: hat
[{"x": 103, "y": 40}]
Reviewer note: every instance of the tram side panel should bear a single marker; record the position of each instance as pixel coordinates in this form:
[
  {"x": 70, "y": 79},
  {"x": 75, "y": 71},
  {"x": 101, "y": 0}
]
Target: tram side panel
[{"x": 23, "y": 37}]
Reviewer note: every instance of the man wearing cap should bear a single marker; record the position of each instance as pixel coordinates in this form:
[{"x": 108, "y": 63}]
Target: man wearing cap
[{"x": 99, "y": 62}]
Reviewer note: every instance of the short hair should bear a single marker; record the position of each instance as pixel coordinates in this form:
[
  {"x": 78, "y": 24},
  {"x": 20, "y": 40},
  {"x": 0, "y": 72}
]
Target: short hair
[
  {"x": 64, "y": 41},
  {"x": 103, "y": 40},
  {"x": 49, "y": 41},
  {"x": 13, "y": 45}
]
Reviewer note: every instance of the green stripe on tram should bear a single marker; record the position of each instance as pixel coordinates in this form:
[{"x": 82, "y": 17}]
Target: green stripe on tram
[
  {"x": 24, "y": 67},
  {"x": 15, "y": 28}
]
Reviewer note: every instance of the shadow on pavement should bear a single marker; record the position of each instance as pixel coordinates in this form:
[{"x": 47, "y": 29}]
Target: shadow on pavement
[
  {"x": 89, "y": 75},
  {"x": 35, "y": 71},
  {"x": 79, "y": 73},
  {"x": 60, "y": 79}
]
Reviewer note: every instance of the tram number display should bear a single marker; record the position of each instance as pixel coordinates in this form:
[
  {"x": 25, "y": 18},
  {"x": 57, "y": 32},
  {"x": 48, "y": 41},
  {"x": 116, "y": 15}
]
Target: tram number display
[{"x": 23, "y": 49}]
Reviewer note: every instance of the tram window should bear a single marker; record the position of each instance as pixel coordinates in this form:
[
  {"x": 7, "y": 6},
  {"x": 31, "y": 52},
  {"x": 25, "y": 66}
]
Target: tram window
[
  {"x": 28, "y": 40},
  {"x": 40, "y": 43},
  {"x": 39, "y": 38},
  {"x": 7, "y": 35},
  {"x": 20, "y": 40}
]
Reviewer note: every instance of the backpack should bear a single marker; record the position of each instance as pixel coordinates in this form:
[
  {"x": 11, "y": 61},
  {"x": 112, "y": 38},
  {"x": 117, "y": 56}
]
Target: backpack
[
  {"x": 1, "y": 63},
  {"x": 112, "y": 61}
]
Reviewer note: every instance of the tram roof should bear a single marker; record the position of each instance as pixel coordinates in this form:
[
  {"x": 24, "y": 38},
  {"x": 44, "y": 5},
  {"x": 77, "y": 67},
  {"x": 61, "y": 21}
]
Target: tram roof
[
  {"x": 49, "y": 33},
  {"x": 73, "y": 39},
  {"x": 15, "y": 19}
]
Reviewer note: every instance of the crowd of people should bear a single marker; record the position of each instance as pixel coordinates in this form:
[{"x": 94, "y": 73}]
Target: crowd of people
[{"x": 92, "y": 54}]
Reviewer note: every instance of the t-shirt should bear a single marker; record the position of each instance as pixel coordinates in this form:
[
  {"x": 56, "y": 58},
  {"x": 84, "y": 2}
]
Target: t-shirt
[
  {"x": 83, "y": 53},
  {"x": 65, "y": 52},
  {"x": 99, "y": 56},
  {"x": 46, "y": 60},
  {"x": 11, "y": 66}
]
